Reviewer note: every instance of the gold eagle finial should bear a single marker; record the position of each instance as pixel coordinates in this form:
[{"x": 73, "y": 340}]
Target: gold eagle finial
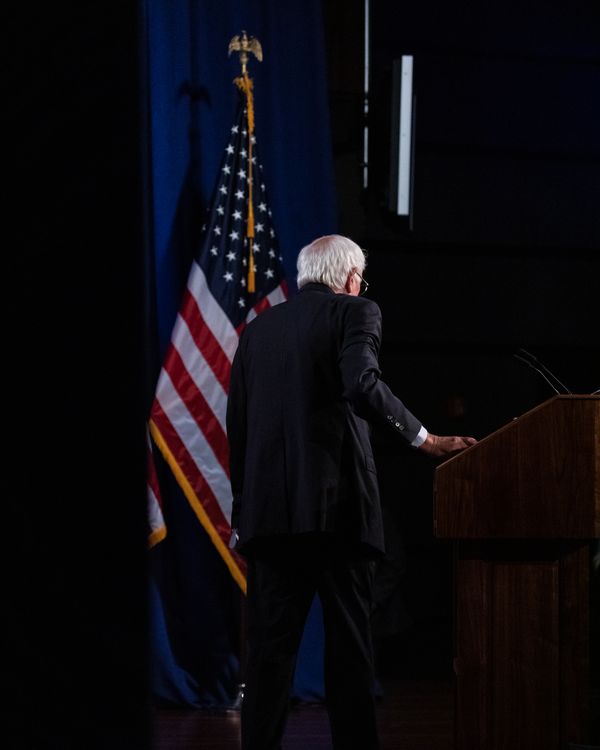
[{"x": 244, "y": 44}]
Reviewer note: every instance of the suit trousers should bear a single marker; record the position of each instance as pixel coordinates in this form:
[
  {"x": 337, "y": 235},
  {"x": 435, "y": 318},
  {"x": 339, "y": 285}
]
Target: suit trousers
[{"x": 283, "y": 578}]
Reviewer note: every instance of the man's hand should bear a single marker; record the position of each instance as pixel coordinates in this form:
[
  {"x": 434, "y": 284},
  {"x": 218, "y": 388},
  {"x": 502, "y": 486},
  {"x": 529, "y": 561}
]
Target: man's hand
[{"x": 445, "y": 445}]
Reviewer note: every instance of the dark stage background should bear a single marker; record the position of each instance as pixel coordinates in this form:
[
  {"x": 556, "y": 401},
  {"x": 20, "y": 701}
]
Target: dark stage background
[
  {"x": 503, "y": 254},
  {"x": 503, "y": 250}
]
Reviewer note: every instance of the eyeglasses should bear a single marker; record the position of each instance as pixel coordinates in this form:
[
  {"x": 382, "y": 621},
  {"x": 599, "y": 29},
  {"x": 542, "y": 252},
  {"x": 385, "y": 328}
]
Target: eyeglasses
[{"x": 364, "y": 284}]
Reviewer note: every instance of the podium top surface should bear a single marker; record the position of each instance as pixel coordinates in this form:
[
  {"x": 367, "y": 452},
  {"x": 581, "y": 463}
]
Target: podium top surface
[{"x": 536, "y": 477}]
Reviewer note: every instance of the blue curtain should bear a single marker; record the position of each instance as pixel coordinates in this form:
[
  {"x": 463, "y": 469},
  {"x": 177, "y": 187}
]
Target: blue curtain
[{"x": 195, "y": 604}]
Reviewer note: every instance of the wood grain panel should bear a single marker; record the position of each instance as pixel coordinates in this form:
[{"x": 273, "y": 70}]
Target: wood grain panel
[
  {"x": 521, "y": 644},
  {"x": 525, "y": 656},
  {"x": 537, "y": 477}
]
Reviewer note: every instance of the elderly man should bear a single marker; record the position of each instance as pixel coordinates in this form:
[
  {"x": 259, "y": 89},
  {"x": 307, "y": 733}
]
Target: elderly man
[{"x": 305, "y": 388}]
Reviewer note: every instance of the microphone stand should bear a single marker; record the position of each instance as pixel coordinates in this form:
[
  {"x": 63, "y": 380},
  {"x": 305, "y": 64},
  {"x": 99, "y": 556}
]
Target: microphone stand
[
  {"x": 532, "y": 361},
  {"x": 537, "y": 369}
]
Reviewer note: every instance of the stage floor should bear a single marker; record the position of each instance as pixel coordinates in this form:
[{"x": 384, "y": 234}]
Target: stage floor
[{"x": 412, "y": 716}]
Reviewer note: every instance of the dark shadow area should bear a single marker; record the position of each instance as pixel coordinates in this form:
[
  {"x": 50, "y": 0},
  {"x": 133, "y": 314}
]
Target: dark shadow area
[{"x": 500, "y": 253}]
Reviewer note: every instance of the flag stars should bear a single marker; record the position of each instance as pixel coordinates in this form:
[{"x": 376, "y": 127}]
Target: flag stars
[
  {"x": 272, "y": 233},
  {"x": 232, "y": 261}
]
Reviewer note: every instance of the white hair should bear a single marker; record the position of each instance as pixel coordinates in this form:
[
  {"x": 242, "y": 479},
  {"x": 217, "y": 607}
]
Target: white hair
[{"x": 328, "y": 260}]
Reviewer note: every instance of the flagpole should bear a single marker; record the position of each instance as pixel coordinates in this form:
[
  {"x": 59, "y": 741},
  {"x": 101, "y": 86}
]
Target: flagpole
[{"x": 245, "y": 45}]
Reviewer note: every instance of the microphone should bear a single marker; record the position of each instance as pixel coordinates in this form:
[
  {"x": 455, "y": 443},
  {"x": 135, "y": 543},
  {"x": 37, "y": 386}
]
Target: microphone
[
  {"x": 541, "y": 368},
  {"x": 537, "y": 369}
]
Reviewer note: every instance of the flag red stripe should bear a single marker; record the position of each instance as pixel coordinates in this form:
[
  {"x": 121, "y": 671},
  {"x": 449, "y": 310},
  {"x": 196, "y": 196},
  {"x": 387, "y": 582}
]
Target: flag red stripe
[
  {"x": 198, "y": 407},
  {"x": 205, "y": 341},
  {"x": 189, "y": 469},
  {"x": 261, "y": 306},
  {"x": 153, "y": 478}
]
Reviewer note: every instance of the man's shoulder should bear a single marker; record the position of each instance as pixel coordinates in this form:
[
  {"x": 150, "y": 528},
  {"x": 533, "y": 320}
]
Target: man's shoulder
[
  {"x": 346, "y": 305},
  {"x": 360, "y": 303},
  {"x": 347, "y": 309},
  {"x": 310, "y": 296},
  {"x": 267, "y": 316},
  {"x": 359, "y": 307}
]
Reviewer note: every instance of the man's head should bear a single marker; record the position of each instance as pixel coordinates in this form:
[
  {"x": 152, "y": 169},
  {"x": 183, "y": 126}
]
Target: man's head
[{"x": 332, "y": 260}]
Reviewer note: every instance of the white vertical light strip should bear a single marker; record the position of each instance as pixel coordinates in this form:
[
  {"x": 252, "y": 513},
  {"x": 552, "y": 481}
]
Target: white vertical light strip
[
  {"x": 366, "y": 98},
  {"x": 404, "y": 136}
]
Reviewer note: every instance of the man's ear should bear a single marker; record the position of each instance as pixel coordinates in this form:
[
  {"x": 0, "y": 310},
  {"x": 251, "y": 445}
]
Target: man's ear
[{"x": 348, "y": 284}]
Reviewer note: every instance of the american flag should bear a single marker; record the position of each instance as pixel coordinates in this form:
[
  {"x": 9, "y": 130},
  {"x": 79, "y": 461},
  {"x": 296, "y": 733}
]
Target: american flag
[
  {"x": 156, "y": 523},
  {"x": 234, "y": 277}
]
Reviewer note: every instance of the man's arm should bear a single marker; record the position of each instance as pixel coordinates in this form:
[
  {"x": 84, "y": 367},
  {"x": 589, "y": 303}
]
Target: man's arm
[{"x": 370, "y": 396}]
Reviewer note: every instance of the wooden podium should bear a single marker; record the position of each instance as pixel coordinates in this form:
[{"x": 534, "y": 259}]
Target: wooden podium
[{"x": 522, "y": 506}]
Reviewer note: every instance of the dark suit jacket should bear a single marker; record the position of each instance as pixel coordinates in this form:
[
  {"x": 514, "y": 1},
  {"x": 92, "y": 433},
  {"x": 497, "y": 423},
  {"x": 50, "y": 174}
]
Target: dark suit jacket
[{"x": 305, "y": 384}]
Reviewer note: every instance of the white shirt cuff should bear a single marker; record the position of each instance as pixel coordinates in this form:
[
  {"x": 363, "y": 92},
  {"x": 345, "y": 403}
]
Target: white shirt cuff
[{"x": 421, "y": 438}]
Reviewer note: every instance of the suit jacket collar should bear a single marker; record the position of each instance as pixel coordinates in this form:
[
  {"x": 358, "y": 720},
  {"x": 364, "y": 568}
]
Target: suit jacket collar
[{"x": 314, "y": 286}]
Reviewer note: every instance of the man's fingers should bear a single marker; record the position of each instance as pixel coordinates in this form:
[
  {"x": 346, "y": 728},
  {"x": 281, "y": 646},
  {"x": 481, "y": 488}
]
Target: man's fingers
[
  {"x": 443, "y": 445},
  {"x": 454, "y": 444}
]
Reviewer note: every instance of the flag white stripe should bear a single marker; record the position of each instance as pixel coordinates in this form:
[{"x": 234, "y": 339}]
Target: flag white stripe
[
  {"x": 214, "y": 317},
  {"x": 276, "y": 296},
  {"x": 196, "y": 444},
  {"x": 199, "y": 370},
  {"x": 155, "y": 516}
]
